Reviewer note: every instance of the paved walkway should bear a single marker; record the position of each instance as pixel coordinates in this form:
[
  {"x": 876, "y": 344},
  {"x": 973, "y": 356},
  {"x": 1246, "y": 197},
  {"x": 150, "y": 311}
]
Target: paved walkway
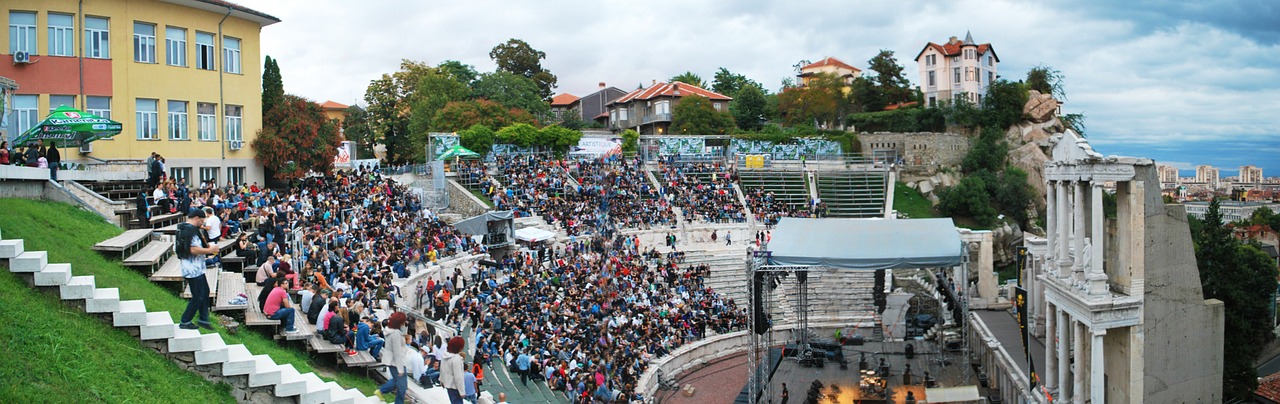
[{"x": 1005, "y": 328}]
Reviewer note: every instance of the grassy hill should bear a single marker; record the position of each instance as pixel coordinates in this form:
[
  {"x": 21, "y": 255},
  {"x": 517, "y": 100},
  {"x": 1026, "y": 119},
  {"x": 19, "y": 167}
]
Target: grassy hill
[
  {"x": 57, "y": 353},
  {"x": 910, "y": 201}
]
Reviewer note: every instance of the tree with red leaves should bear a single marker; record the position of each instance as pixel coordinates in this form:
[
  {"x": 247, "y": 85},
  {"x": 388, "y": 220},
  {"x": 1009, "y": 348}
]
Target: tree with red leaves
[{"x": 296, "y": 138}]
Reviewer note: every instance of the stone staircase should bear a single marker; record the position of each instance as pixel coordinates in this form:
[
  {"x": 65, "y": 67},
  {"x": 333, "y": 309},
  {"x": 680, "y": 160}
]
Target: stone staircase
[
  {"x": 205, "y": 354},
  {"x": 834, "y": 296},
  {"x": 728, "y": 272},
  {"x": 498, "y": 380}
]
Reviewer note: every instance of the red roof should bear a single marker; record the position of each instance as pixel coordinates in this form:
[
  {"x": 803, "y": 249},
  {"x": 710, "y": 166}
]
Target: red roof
[
  {"x": 333, "y": 105},
  {"x": 676, "y": 89},
  {"x": 954, "y": 48},
  {"x": 830, "y": 61},
  {"x": 1269, "y": 387},
  {"x": 563, "y": 99},
  {"x": 899, "y": 105}
]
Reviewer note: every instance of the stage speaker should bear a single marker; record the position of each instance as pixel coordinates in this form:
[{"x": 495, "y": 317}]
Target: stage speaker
[
  {"x": 802, "y": 276},
  {"x": 757, "y": 304},
  {"x": 878, "y": 294}
]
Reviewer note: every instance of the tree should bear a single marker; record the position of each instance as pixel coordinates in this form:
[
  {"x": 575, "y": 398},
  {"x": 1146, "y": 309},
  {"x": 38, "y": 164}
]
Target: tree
[
  {"x": 520, "y": 134},
  {"x": 463, "y": 73},
  {"x": 1013, "y": 194},
  {"x": 459, "y": 115},
  {"x": 1266, "y": 217},
  {"x": 987, "y": 153},
  {"x": 512, "y": 91},
  {"x": 355, "y": 127},
  {"x": 694, "y": 115},
  {"x": 630, "y": 141},
  {"x": 689, "y": 78},
  {"x": 478, "y": 138},
  {"x": 729, "y": 83},
  {"x": 1046, "y": 80},
  {"x": 434, "y": 89},
  {"x": 558, "y": 139},
  {"x": 517, "y": 57},
  {"x": 890, "y": 81},
  {"x": 748, "y": 107},
  {"x": 1244, "y": 279},
  {"x": 300, "y": 139},
  {"x": 969, "y": 198},
  {"x": 388, "y": 124},
  {"x": 1002, "y": 107},
  {"x": 864, "y": 96},
  {"x": 272, "y": 85},
  {"x": 572, "y": 119},
  {"x": 818, "y": 104}
]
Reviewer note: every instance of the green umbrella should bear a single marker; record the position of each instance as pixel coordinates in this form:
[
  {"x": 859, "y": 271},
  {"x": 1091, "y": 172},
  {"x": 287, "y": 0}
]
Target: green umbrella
[
  {"x": 457, "y": 151},
  {"x": 69, "y": 127}
]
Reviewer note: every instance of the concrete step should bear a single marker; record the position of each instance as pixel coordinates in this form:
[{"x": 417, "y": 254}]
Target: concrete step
[
  {"x": 212, "y": 349},
  {"x": 265, "y": 372},
  {"x": 186, "y": 341},
  {"x": 78, "y": 288},
  {"x": 104, "y": 300},
  {"x": 11, "y": 248},
  {"x": 315, "y": 391},
  {"x": 131, "y": 313},
  {"x": 239, "y": 361},
  {"x": 29, "y": 261},
  {"x": 291, "y": 382},
  {"x": 159, "y": 325},
  {"x": 53, "y": 275}
]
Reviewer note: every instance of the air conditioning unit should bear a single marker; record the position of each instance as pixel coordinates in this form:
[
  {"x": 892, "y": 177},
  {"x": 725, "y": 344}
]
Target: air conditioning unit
[
  {"x": 21, "y": 57},
  {"x": 86, "y": 148},
  {"x": 236, "y": 144}
]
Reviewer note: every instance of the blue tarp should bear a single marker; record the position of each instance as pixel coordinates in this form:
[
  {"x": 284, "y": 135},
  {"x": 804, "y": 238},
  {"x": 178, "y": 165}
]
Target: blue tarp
[{"x": 866, "y": 244}]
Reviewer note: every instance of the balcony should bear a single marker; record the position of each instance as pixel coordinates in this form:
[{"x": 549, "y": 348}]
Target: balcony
[{"x": 655, "y": 118}]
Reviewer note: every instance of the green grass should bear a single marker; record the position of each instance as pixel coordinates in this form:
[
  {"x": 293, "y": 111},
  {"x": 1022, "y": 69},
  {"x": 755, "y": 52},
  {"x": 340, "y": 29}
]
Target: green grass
[
  {"x": 481, "y": 197},
  {"x": 910, "y": 201},
  {"x": 57, "y": 353},
  {"x": 67, "y": 233}
]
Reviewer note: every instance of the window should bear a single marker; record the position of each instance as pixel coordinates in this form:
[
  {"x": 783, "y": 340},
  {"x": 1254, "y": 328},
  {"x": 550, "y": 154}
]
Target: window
[
  {"x": 22, "y": 32},
  {"x": 25, "y": 114},
  {"x": 175, "y": 46},
  {"x": 230, "y": 55},
  {"x": 622, "y": 114},
  {"x": 613, "y": 116},
  {"x": 930, "y": 60},
  {"x": 932, "y": 79},
  {"x": 990, "y": 60},
  {"x": 209, "y": 174},
  {"x": 178, "y": 120},
  {"x": 208, "y": 121},
  {"x": 144, "y": 43},
  {"x": 232, "y": 125},
  {"x": 62, "y": 35},
  {"x": 969, "y": 74},
  {"x": 991, "y": 77},
  {"x": 718, "y": 106},
  {"x": 146, "y": 118},
  {"x": 957, "y": 73},
  {"x": 955, "y": 59},
  {"x": 933, "y": 101},
  {"x": 96, "y": 43},
  {"x": 100, "y": 106},
  {"x": 56, "y": 101},
  {"x": 180, "y": 174},
  {"x": 663, "y": 107},
  {"x": 969, "y": 54},
  {"x": 235, "y": 175},
  {"x": 204, "y": 51}
]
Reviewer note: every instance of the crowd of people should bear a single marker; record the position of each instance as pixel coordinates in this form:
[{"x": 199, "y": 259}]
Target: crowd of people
[
  {"x": 35, "y": 155},
  {"x": 620, "y": 187},
  {"x": 703, "y": 191},
  {"x": 768, "y": 208}
]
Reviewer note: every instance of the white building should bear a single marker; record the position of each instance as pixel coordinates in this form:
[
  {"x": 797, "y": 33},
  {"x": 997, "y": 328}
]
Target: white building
[
  {"x": 1207, "y": 175},
  {"x": 1168, "y": 175},
  {"x": 956, "y": 69},
  {"x": 1250, "y": 174},
  {"x": 1231, "y": 210}
]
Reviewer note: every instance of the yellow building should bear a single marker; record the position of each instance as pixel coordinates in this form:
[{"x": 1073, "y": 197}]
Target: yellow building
[{"x": 183, "y": 76}]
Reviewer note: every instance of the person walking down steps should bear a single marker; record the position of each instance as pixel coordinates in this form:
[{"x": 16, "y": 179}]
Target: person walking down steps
[{"x": 191, "y": 249}]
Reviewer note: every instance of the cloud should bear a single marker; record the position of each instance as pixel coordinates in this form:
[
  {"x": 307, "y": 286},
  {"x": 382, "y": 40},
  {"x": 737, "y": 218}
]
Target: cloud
[{"x": 1146, "y": 74}]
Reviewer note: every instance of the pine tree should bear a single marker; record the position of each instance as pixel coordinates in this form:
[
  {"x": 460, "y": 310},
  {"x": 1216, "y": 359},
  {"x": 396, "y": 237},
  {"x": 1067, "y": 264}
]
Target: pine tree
[{"x": 272, "y": 86}]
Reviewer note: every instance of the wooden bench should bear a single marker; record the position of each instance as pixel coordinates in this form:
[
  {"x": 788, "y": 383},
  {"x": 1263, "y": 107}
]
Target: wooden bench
[
  {"x": 159, "y": 221},
  {"x": 252, "y": 315},
  {"x": 317, "y": 343},
  {"x": 211, "y": 276},
  {"x": 230, "y": 285},
  {"x": 305, "y": 330},
  {"x": 226, "y": 244},
  {"x": 233, "y": 262},
  {"x": 360, "y": 359},
  {"x": 171, "y": 271},
  {"x": 149, "y": 257},
  {"x": 126, "y": 243},
  {"x": 171, "y": 230}
]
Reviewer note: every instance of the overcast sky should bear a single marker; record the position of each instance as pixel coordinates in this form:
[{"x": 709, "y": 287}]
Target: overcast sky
[{"x": 1185, "y": 83}]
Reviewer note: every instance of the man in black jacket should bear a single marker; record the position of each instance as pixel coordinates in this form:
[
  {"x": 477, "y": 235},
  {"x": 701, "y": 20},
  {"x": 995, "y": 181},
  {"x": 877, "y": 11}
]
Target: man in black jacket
[{"x": 54, "y": 158}]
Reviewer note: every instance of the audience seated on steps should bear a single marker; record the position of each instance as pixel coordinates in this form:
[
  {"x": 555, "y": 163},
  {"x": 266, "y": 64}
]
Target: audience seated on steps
[
  {"x": 279, "y": 307},
  {"x": 711, "y": 200}
]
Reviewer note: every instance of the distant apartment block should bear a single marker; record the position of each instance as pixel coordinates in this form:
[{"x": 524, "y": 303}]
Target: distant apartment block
[
  {"x": 829, "y": 65},
  {"x": 648, "y": 110},
  {"x": 1231, "y": 210},
  {"x": 591, "y": 107},
  {"x": 1168, "y": 174},
  {"x": 1207, "y": 175},
  {"x": 956, "y": 69},
  {"x": 1250, "y": 174}
]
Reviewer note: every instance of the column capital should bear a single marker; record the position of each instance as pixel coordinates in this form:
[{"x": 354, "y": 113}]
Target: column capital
[{"x": 1098, "y": 332}]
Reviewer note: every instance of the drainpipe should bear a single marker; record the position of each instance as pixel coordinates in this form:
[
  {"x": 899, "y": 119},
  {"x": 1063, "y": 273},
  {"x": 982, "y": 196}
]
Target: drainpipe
[
  {"x": 221, "y": 102},
  {"x": 80, "y": 13}
]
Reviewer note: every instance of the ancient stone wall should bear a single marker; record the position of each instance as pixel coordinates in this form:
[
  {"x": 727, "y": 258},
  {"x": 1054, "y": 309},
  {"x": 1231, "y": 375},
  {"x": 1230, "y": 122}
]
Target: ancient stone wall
[{"x": 919, "y": 148}]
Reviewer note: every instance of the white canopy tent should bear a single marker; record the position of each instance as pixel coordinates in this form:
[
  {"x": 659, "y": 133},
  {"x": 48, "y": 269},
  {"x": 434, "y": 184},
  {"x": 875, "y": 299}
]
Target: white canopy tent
[
  {"x": 533, "y": 234},
  {"x": 866, "y": 244}
]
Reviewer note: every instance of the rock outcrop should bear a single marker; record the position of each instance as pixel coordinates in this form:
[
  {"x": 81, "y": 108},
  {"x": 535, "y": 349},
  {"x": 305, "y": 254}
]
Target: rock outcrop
[{"x": 1030, "y": 158}]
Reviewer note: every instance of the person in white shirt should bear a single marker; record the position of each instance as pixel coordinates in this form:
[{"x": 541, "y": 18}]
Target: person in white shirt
[
  {"x": 418, "y": 365},
  {"x": 213, "y": 224}
]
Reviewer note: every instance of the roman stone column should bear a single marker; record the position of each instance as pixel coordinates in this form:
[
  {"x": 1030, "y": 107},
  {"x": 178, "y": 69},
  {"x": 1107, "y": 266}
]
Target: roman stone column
[
  {"x": 1064, "y": 355},
  {"x": 1097, "y": 368},
  {"x": 1078, "y": 233},
  {"x": 1063, "y": 226},
  {"x": 1077, "y": 366},
  {"x": 1051, "y": 350}
]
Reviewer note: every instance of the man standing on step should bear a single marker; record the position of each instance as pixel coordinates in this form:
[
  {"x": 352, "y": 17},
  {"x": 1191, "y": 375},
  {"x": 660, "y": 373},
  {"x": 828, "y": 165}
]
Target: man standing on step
[
  {"x": 522, "y": 364},
  {"x": 191, "y": 248}
]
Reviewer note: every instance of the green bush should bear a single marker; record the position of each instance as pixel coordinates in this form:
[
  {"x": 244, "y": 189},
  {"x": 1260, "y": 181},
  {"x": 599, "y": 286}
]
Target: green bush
[
  {"x": 899, "y": 120},
  {"x": 478, "y": 138}
]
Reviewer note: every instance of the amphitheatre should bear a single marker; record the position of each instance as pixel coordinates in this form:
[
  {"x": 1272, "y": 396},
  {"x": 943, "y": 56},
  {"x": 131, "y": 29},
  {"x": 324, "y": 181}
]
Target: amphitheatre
[{"x": 650, "y": 277}]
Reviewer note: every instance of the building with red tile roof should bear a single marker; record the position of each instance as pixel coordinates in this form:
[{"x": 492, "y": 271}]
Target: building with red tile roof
[
  {"x": 648, "y": 110},
  {"x": 828, "y": 65},
  {"x": 956, "y": 69},
  {"x": 335, "y": 112},
  {"x": 1268, "y": 389}
]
